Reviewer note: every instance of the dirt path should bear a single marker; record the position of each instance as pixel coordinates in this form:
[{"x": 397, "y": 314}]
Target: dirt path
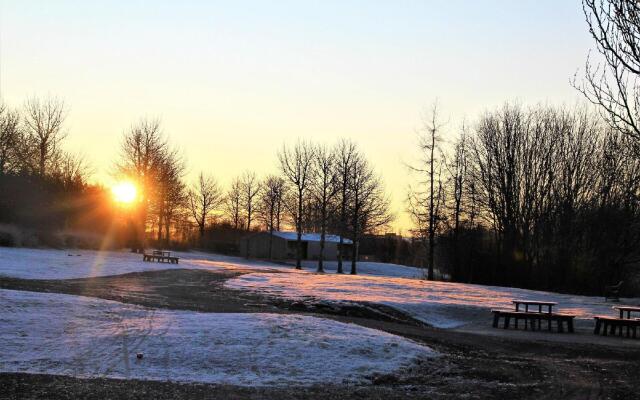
[{"x": 472, "y": 366}]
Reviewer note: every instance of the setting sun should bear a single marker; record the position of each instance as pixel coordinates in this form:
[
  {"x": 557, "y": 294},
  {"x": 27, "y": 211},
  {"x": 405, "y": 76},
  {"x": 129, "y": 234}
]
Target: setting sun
[{"x": 124, "y": 192}]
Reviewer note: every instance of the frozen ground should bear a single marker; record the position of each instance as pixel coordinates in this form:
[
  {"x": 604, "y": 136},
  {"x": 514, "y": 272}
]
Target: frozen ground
[
  {"x": 80, "y": 336},
  {"x": 441, "y": 304}
]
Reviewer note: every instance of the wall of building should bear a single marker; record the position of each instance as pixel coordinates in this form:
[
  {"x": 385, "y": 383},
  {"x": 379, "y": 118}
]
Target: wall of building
[{"x": 257, "y": 246}]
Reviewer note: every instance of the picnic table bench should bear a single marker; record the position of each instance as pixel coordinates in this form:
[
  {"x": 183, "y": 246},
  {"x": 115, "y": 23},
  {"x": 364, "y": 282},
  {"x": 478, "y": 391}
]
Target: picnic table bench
[
  {"x": 160, "y": 256},
  {"x": 608, "y": 324},
  {"x": 533, "y": 318},
  {"x": 611, "y": 325}
]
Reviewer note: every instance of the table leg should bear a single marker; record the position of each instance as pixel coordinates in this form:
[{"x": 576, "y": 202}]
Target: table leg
[{"x": 621, "y": 314}]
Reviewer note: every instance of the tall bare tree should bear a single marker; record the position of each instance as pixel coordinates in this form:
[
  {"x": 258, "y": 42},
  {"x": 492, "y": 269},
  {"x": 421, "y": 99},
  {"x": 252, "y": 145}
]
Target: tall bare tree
[
  {"x": 458, "y": 173},
  {"x": 270, "y": 204},
  {"x": 143, "y": 151},
  {"x": 324, "y": 190},
  {"x": 233, "y": 203},
  {"x": 43, "y": 120},
  {"x": 369, "y": 206},
  {"x": 426, "y": 198},
  {"x": 250, "y": 191},
  {"x": 296, "y": 164},
  {"x": 346, "y": 153},
  {"x": 170, "y": 193},
  {"x": 205, "y": 196}
]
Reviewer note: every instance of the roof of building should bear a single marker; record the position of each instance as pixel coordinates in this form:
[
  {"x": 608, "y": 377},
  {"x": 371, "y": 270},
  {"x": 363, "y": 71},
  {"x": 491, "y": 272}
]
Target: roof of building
[{"x": 310, "y": 237}]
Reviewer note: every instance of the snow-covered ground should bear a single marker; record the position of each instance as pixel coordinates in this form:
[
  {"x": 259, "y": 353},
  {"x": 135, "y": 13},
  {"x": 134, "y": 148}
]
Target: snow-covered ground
[
  {"x": 80, "y": 336},
  {"x": 368, "y": 268},
  {"x": 441, "y": 304},
  {"x": 69, "y": 264}
]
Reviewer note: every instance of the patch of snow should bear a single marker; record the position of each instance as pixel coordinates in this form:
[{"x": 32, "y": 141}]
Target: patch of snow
[
  {"x": 440, "y": 304},
  {"x": 86, "y": 337}
]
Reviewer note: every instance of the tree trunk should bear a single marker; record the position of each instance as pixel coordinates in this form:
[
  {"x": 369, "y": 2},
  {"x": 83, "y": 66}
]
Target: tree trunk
[
  {"x": 355, "y": 250},
  {"x": 299, "y": 229},
  {"x": 166, "y": 232},
  {"x": 323, "y": 232},
  {"x": 431, "y": 208},
  {"x": 343, "y": 217}
]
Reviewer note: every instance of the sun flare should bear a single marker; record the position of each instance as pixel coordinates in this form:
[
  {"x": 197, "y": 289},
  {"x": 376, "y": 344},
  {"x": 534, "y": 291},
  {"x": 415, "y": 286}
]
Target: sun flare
[{"x": 124, "y": 192}]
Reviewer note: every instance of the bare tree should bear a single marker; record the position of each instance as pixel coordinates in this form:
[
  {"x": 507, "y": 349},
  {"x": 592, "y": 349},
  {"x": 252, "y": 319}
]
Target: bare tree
[
  {"x": 324, "y": 190},
  {"x": 204, "y": 197},
  {"x": 369, "y": 206},
  {"x": 614, "y": 84},
  {"x": 426, "y": 199},
  {"x": 11, "y": 140},
  {"x": 233, "y": 203},
  {"x": 269, "y": 205},
  {"x": 346, "y": 153},
  {"x": 297, "y": 166},
  {"x": 170, "y": 192},
  {"x": 142, "y": 154},
  {"x": 458, "y": 173},
  {"x": 43, "y": 120},
  {"x": 250, "y": 190}
]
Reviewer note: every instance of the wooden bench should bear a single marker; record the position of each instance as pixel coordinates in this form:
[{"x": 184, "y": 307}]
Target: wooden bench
[
  {"x": 609, "y": 325},
  {"x": 531, "y": 318},
  {"x": 160, "y": 258}
]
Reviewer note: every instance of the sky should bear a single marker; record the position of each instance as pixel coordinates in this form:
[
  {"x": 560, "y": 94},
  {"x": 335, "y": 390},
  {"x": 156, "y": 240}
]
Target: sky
[{"x": 233, "y": 81}]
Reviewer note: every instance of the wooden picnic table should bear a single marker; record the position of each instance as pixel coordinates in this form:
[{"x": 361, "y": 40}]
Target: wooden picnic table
[
  {"x": 540, "y": 304},
  {"x": 627, "y": 309}
]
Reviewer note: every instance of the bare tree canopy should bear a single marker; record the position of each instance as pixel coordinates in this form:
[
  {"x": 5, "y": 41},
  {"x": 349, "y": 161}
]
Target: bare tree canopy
[
  {"x": 296, "y": 164},
  {"x": 205, "y": 196},
  {"x": 43, "y": 120},
  {"x": 250, "y": 190},
  {"x": 233, "y": 203},
  {"x": 12, "y": 142},
  {"x": 613, "y": 84}
]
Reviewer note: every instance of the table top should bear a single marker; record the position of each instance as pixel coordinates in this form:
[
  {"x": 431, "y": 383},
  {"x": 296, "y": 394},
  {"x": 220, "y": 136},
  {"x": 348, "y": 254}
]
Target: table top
[
  {"x": 535, "y": 302},
  {"x": 627, "y": 308}
]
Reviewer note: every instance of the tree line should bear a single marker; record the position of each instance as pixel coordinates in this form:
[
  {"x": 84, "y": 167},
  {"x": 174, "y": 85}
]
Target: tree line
[
  {"x": 544, "y": 197},
  {"x": 538, "y": 196},
  {"x": 320, "y": 189}
]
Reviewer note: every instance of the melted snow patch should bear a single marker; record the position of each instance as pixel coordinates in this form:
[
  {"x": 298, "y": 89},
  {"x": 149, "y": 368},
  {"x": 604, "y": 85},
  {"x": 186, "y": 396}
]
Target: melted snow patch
[{"x": 79, "y": 336}]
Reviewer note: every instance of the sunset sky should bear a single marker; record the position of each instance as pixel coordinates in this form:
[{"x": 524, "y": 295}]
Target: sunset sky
[{"x": 233, "y": 81}]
